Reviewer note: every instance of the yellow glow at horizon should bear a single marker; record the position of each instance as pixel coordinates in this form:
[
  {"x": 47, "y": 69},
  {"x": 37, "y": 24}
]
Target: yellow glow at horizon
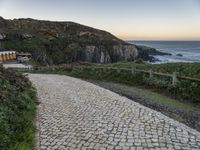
[{"x": 184, "y": 31}]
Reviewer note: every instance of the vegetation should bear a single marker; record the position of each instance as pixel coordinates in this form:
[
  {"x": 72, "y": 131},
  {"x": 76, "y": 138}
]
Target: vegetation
[
  {"x": 180, "y": 102},
  {"x": 184, "y": 90},
  {"x": 53, "y": 43},
  {"x": 35, "y": 46},
  {"x": 184, "y": 69},
  {"x": 17, "y": 111}
]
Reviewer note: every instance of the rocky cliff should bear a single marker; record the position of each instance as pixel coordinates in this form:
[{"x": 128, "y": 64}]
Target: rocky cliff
[{"x": 62, "y": 42}]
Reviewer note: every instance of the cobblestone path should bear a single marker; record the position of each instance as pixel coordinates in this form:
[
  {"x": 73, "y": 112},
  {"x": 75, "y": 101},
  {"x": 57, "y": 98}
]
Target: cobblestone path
[{"x": 75, "y": 114}]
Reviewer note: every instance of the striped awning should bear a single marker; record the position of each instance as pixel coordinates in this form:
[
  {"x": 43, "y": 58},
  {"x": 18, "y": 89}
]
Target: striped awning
[{"x": 6, "y": 52}]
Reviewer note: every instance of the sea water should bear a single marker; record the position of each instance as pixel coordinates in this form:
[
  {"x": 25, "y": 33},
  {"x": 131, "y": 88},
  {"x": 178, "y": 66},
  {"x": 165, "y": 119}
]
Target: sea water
[{"x": 182, "y": 51}]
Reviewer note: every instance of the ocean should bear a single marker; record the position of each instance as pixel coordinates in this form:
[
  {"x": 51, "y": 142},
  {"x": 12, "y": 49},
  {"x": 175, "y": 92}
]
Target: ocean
[{"x": 182, "y": 51}]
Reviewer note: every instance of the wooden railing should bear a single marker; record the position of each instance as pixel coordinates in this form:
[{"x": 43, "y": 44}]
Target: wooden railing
[
  {"x": 41, "y": 68},
  {"x": 175, "y": 78}
]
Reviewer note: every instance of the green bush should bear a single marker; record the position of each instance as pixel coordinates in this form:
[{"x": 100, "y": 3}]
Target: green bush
[{"x": 17, "y": 111}]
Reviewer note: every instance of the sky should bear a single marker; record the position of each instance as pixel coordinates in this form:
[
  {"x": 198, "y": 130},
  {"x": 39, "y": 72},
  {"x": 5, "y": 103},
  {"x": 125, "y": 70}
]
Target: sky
[{"x": 126, "y": 19}]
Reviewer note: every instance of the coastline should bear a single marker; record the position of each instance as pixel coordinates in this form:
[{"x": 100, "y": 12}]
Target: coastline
[{"x": 180, "y": 51}]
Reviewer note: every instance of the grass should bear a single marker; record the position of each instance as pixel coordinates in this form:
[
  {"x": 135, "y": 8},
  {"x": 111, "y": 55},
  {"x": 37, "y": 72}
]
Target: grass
[
  {"x": 156, "y": 97},
  {"x": 184, "y": 69},
  {"x": 184, "y": 90},
  {"x": 17, "y": 111}
]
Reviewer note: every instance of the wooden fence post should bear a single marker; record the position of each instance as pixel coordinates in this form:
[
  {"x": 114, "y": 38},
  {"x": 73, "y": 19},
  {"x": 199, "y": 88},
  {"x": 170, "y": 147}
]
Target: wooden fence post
[
  {"x": 150, "y": 73},
  {"x": 133, "y": 71},
  {"x": 174, "y": 79},
  {"x": 74, "y": 68},
  {"x": 118, "y": 70}
]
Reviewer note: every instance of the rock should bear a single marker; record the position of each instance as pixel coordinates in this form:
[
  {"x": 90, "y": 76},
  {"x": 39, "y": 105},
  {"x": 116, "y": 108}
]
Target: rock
[
  {"x": 151, "y": 51},
  {"x": 180, "y": 55},
  {"x": 126, "y": 52},
  {"x": 27, "y": 36},
  {"x": 105, "y": 58},
  {"x": 99, "y": 54},
  {"x": 142, "y": 53},
  {"x": 2, "y": 36},
  {"x": 139, "y": 61},
  {"x": 89, "y": 53},
  {"x": 148, "y": 53}
]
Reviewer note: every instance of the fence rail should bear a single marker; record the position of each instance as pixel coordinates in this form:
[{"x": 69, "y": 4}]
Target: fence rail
[
  {"x": 175, "y": 78},
  {"x": 41, "y": 68}
]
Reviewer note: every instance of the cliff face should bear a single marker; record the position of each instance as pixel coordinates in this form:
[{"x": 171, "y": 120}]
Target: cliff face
[{"x": 62, "y": 42}]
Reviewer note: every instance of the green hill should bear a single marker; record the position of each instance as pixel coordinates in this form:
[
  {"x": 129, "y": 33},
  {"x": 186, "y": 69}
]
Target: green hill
[{"x": 65, "y": 42}]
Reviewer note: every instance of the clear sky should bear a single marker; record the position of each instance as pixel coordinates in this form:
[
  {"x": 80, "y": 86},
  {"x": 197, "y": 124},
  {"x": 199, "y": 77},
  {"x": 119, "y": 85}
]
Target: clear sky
[{"x": 127, "y": 19}]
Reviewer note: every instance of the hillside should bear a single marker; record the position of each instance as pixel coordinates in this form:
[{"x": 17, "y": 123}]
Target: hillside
[{"x": 64, "y": 42}]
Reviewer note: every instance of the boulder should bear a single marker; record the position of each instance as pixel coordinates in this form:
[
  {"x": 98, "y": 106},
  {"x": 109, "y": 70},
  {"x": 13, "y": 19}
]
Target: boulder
[
  {"x": 2, "y": 36},
  {"x": 180, "y": 55}
]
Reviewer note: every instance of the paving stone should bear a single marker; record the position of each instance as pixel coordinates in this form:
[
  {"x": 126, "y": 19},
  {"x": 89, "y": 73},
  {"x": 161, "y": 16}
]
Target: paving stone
[{"x": 74, "y": 114}]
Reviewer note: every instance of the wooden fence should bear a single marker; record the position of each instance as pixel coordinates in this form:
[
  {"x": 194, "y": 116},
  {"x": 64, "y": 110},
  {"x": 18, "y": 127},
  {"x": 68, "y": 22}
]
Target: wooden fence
[
  {"x": 41, "y": 68},
  {"x": 175, "y": 78}
]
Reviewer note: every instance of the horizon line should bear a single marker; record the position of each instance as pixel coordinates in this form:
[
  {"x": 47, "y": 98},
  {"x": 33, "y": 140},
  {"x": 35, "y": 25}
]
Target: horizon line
[
  {"x": 163, "y": 40},
  {"x": 118, "y": 36}
]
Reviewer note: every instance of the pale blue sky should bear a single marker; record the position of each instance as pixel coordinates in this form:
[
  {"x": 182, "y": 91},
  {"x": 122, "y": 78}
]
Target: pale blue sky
[{"x": 127, "y": 19}]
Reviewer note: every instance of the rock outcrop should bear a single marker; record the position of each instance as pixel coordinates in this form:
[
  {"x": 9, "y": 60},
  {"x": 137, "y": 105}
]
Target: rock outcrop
[
  {"x": 62, "y": 42},
  {"x": 2, "y": 36},
  {"x": 147, "y": 53}
]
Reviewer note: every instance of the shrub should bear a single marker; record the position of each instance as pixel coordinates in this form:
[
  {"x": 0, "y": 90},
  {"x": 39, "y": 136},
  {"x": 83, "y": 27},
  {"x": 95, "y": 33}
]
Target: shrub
[
  {"x": 184, "y": 90},
  {"x": 17, "y": 111}
]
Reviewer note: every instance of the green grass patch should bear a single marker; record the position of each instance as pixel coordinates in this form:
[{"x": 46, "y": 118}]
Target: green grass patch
[
  {"x": 17, "y": 111},
  {"x": 184, "y": 90},
  {"x": 183, "y": 69},
  {"x": 156, "y": 97}
]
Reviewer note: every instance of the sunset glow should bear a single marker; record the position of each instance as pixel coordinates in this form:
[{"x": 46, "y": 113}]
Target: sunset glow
[{"x": 127, "y": 19}]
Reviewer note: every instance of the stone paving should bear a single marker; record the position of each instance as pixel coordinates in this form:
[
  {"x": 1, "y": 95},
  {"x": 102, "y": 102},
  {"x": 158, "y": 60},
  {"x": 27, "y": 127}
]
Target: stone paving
[
  {"x": 16, "y": 65},
  {"x": 74, "y": 114}
]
